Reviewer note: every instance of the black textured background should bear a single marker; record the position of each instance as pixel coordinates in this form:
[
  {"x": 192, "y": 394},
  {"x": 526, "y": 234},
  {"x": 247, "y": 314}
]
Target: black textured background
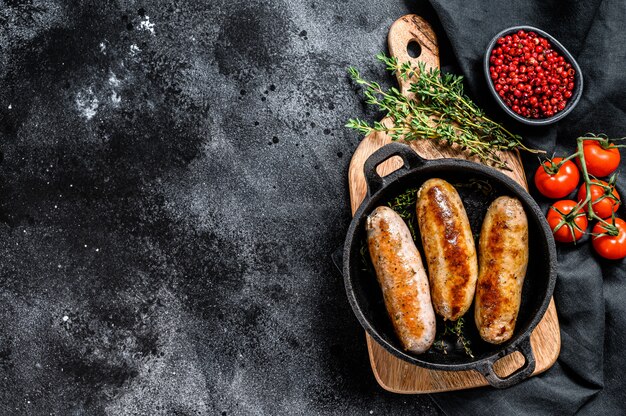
[{"x": 172, "y": 185}]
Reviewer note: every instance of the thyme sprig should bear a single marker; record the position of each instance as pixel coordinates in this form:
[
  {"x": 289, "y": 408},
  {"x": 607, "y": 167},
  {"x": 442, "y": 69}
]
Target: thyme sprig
[
  {"x": 404, "y": 205},
  {"x": 440, "y": 111},
  {"x": 456, "y": 330}
]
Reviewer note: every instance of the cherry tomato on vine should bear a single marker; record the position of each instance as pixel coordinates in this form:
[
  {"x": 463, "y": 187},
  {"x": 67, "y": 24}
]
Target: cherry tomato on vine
[
  {"x": 605, "y": 200},
  {"x": 556, "y": 183},
  {"x": 610, "y": 247},
  {"x": 601, "y": 157},
  {"x": 567, "y": 226}
]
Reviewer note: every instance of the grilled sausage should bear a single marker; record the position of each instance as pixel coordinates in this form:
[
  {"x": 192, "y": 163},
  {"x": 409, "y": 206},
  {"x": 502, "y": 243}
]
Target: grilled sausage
[
  {"x": 503, "y": 254},
  {"x": 449, "y": 248},
  {"x": 402, "y": 278}
]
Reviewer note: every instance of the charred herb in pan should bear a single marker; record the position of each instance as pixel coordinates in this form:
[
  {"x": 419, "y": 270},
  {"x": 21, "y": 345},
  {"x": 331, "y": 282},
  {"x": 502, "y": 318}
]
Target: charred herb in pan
[
  {"x": 455, "y": 331},
  {"x": 480, "y": 185}
]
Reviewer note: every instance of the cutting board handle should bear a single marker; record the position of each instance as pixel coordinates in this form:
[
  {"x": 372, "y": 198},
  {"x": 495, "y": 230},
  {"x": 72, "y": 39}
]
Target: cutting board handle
[{"x": 405, "y": 35}]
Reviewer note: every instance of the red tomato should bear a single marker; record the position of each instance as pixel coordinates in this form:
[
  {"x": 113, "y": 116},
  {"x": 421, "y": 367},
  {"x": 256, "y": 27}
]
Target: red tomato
[
  {"x": 600, "y": 161},
  {"x": 571, "y": 225},
  {"x": 603, "y": 203},
  {"x": 610, "y": 247},
  {"x": 558, "y": 184}
]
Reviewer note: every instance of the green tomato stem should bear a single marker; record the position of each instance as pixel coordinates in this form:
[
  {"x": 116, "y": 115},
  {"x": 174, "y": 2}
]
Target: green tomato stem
[{"x": 611, "y": 229}]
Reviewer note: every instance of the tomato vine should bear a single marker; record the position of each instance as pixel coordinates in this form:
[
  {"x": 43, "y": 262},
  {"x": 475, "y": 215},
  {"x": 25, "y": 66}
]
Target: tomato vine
[{"x": 585, "y": 205}]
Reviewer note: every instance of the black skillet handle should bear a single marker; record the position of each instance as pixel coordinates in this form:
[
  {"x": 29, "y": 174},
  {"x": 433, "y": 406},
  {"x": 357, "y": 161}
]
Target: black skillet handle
[
  {"x": 486, "y": 369},
  {"x": 374, "y": 181}
]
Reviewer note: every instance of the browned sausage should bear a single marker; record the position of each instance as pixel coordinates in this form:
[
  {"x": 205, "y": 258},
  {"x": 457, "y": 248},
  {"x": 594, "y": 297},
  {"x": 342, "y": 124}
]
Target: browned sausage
[
  {"x": 503, "y": 254},
  {"x": 402, "y": 278},
  {"x": 449, "y": 248}
]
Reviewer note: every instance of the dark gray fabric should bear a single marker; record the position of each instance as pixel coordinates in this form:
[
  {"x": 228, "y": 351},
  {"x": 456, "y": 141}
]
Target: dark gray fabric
[{"x": 590, "y": 292}]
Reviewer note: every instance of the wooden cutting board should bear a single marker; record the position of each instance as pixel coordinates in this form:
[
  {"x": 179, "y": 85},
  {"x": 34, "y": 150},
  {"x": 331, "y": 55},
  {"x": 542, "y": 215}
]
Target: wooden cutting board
[{"x": 392, "y": 373}]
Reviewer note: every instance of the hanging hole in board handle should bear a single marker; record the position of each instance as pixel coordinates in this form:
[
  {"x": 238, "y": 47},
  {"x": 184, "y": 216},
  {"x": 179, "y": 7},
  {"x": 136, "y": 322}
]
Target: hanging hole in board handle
[
  {"x": 411, "y": 39},
  {"x": 413, "y": 49}
]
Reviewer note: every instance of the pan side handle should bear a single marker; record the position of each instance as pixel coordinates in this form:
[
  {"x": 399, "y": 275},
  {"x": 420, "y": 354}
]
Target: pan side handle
[
  {"x": 487, "y": 369},
  {"x": 374, "y": 181}
]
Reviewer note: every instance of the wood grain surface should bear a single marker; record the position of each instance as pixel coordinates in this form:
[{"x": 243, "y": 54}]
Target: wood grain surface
[{"x": 392, "y": 373}]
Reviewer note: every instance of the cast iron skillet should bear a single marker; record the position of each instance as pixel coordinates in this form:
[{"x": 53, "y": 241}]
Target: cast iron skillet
[{"x": 364, "y": 292}]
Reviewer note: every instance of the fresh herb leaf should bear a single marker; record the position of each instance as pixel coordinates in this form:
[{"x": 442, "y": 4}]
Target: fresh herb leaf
[
  {"x": 405, "y": 205},
  {"x": 440, "y": 111}
]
